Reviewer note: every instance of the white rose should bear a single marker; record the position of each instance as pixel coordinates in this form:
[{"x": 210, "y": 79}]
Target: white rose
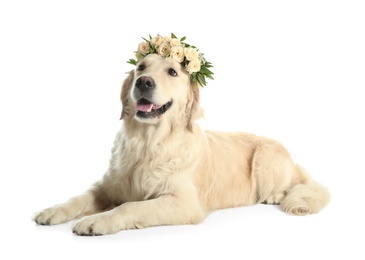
[
  {"x": 193, "y": 66},
  {"x": 167, "y": 39},
  {"x": 164, "y": 49},
  {"x": 191, "y": 53},
  {"x": 157, "y": 41},
  {"x": 177, "y": 53},
  {"x": 143, "y": 48},
  {"x": 175, "y": 42}
]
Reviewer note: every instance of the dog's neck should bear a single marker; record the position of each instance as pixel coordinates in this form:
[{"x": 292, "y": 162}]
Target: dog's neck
[
  {"x": 158, "y": 140},
  {"x": 159, "y": 131}
]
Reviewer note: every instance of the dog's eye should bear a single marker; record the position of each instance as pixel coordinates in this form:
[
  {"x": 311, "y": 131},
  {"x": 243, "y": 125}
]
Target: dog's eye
[
  {"x": 141, "y": 67},
  {"x": 172, "y": 72}
]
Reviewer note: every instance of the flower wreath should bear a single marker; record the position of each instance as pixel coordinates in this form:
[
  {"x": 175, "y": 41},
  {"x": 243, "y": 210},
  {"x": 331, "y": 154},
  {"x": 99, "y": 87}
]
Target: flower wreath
[{"x": 187, "y": 55}]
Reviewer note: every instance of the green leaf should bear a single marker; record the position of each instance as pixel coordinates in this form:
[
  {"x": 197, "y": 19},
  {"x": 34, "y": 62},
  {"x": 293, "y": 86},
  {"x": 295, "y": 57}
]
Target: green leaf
[
  {"x": 201, "y": 79},
  {"x": 209, "y": 76},
  {"x": 173, "y": 36},
  {"x": 208, "y": 64},
  {"x": 183, "y": 39},
  {"x": 132, "y": 61},
  {"x": 205, "y": 70}
]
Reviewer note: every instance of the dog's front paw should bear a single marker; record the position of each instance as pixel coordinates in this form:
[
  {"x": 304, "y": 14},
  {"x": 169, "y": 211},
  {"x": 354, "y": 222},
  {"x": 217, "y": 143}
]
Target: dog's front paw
[
  {"x": 51, "y": 216},
  {"x": 96, "y": 225}
]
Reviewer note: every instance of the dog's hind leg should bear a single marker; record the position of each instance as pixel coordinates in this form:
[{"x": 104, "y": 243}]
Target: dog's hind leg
[
  {"x": 307, "y": 197},
  {"x": 91, "y": 202},
  {"x": 271, "y": 173},
  {"x": 276, "y": 179}
]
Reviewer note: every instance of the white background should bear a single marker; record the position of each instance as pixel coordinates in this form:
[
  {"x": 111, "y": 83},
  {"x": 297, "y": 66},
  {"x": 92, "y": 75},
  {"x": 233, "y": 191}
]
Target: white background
[{"x": 290, "y": 70}]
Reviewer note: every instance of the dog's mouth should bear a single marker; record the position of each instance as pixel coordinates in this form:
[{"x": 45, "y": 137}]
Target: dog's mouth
[{"x": 146, "y": 109}]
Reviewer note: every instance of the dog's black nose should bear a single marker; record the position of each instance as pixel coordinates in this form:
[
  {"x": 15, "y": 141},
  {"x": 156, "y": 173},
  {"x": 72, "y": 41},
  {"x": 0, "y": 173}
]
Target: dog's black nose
[{"x": 145, "y": 83}]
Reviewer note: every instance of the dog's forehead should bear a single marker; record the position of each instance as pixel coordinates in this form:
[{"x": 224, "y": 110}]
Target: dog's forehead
[
  {"x": 152, "y": 58},
  {"x": 157, "y": 60}
]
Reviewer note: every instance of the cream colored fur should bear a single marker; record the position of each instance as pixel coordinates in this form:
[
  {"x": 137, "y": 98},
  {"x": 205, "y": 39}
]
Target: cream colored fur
[{"x": 167, "y": 171}]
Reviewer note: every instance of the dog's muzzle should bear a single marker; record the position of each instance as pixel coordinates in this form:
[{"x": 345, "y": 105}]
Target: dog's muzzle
[
  {"x": 144, "y": 87},
  {"x": 143, "y": 92},
  {"x": 146, "y": 109}
]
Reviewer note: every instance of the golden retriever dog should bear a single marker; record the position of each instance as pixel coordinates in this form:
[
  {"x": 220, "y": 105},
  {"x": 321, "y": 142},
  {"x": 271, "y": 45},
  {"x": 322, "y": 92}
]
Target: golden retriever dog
[{"x": 164, "y": 170}]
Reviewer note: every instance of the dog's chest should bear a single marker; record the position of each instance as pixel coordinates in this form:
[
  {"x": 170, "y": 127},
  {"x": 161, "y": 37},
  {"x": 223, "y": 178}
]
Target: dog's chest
[
  {"x": 146, "y": 177},
  {"x": 147, "y": 183},
  {"x": 143, "y": 169}
]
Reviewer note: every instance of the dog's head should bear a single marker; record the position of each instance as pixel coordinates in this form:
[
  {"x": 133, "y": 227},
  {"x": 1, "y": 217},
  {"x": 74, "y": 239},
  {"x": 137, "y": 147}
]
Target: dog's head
[{"x": 160, "y": 89}]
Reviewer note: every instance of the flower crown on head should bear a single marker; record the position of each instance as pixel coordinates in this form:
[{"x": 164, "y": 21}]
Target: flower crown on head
[{"x": 187, "y": 55}]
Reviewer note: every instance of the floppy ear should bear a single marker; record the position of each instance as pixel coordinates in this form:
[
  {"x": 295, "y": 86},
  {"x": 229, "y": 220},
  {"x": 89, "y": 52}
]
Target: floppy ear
[
  {"x": 193, "y": 108},
  {"x": 124, "y": 96}
]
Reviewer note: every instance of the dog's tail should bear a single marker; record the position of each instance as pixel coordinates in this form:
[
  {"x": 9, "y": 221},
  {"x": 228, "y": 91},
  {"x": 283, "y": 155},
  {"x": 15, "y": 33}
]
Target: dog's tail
[{"x": 306, "y": 197}]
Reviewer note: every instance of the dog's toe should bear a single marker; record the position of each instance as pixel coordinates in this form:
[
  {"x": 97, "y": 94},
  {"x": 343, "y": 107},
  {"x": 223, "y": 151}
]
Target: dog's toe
[
  {"x": 50, "y": 216},
  {"x": 90, "y": 226}
]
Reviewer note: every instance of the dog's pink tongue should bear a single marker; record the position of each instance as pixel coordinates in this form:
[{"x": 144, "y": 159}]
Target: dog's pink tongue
[{"x": 144, "y": 107}]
